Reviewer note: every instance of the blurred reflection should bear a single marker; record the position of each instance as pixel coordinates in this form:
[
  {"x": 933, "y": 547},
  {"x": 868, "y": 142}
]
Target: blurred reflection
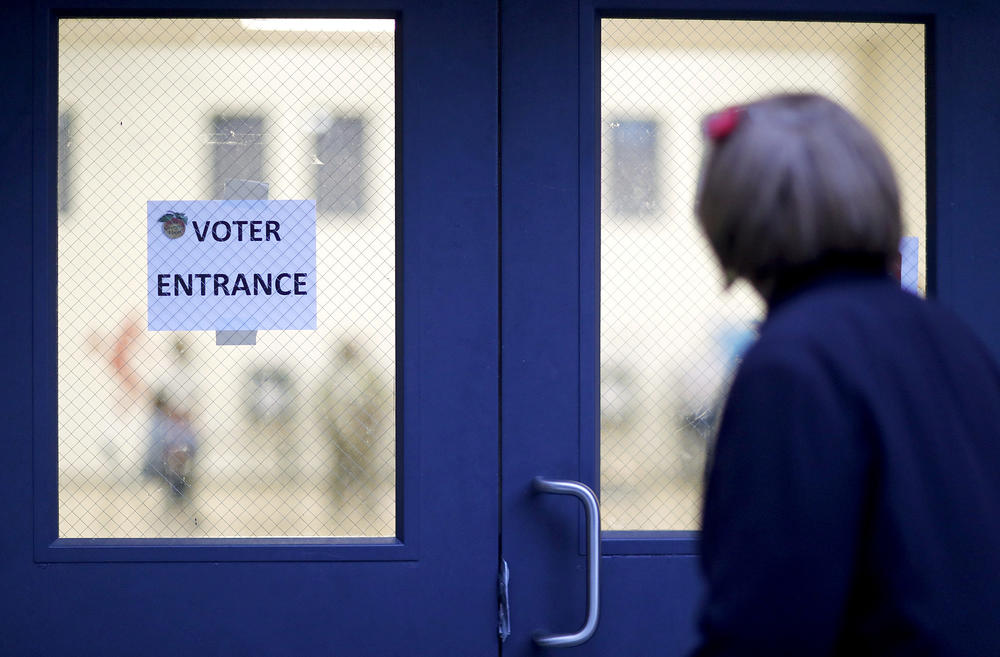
[
  {"x": 171, "y": 402},
  {"x": 131, "y": 384},
  {"x": 172, "y": 446},
  {"x": 272, "y": 412},
  {"x": 701, "y": 394},
  {"x": 176, "y": 405},
  {"x": 356, "y": 407}
]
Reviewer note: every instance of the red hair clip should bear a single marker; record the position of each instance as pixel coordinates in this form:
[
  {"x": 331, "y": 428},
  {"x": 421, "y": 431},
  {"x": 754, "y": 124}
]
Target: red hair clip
[{"x": 720, "y": 125}]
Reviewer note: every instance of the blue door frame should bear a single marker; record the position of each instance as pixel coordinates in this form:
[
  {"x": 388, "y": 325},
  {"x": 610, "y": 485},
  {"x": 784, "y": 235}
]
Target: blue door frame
[{"x": 432, "y": 590}]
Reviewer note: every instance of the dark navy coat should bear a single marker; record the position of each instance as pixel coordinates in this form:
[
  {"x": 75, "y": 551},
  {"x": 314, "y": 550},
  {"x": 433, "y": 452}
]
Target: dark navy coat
[{"x": 853, "y": 499}]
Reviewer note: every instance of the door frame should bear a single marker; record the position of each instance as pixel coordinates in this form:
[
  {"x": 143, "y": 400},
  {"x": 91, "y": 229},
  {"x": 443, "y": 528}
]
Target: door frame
[{"x": 49, "y": 547}]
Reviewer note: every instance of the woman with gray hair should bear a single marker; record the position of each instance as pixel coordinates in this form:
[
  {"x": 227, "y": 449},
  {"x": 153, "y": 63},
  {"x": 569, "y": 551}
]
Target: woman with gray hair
[{"x": 852, "y": 505}]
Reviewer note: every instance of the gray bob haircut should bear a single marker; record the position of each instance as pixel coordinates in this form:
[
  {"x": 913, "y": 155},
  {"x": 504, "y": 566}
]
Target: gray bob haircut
[{"x": 790, "y": 181}]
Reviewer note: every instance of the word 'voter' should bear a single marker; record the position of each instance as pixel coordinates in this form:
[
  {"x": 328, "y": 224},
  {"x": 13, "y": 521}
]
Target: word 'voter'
[{"x": 222, "y": 231}]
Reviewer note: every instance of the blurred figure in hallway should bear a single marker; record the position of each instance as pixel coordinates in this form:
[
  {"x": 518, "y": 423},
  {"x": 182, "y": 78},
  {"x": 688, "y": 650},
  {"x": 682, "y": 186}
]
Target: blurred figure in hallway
[
  {"x": 172, "y": 447},
  {"x": 173, "y": 444},
  {"x": 357, "y": 410}
]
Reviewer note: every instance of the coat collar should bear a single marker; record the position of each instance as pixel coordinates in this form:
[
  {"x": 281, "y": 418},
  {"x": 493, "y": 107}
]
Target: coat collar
[{"x": 830, "y": 269}]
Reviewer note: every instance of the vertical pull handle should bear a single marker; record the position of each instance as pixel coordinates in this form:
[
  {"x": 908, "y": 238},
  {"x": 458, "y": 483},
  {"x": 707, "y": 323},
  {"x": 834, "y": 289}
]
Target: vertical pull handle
[{"x": 590, "y": 504}]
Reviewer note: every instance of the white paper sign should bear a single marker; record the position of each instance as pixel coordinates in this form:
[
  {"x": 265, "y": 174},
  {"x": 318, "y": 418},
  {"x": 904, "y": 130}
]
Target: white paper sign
[{"x": 231, "y": 265}]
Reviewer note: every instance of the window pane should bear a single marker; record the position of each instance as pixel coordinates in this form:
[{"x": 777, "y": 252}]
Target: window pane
[
  {"x": 167, "y": 433},
  {"x": 670, "y": 337}
]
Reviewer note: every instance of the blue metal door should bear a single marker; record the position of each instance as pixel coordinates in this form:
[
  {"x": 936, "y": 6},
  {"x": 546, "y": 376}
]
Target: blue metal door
[
  {"x": 554, "y": 214},
  {"x": 271, "y": 584}
]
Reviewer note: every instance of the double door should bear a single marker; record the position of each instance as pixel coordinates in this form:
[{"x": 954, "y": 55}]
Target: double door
[{"x": 521, "y": 164}]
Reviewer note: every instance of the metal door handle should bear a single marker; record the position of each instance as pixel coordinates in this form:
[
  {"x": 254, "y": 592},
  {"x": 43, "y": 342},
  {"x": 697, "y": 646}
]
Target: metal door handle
[{"x": 593, "y": 510}]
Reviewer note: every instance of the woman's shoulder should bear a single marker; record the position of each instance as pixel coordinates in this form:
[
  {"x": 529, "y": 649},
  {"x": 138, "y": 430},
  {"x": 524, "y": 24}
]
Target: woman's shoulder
[
  {"x": 866, "y": 307},
  {"x": 865, "y": 323}
]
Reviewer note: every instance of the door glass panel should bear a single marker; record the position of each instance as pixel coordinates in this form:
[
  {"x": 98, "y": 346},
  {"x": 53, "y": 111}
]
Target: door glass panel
[
  {"x": 165, "y": 433},
  {"x": 670, "y": 336}
]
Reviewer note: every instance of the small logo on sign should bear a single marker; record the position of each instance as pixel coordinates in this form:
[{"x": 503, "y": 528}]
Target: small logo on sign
[{"x": 174, "y": 224}]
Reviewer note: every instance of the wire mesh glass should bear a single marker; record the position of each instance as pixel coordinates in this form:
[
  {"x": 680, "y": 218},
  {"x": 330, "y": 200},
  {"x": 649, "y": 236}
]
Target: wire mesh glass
[
  {"x": 166, "y": 433},
  {"x": 670, "y": 335}
]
